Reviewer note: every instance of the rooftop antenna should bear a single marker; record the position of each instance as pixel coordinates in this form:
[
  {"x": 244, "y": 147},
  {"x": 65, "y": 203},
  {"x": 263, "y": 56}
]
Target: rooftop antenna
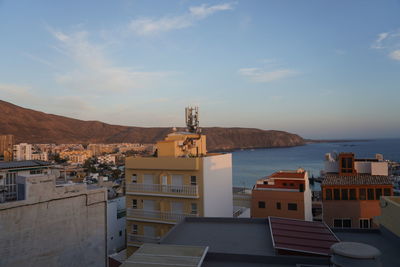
[{"x": 192, "y": 119}]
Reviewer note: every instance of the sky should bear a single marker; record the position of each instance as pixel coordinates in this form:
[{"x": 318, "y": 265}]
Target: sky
[{"x": 321, "y": 69}]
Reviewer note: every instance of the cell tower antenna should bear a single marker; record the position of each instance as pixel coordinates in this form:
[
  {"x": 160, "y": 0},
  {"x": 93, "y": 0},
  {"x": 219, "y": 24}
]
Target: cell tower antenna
[{"x": 192, "y": 119}]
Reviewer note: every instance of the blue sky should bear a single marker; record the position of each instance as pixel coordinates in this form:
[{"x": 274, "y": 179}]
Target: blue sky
[{"x": 322, "y": 69}]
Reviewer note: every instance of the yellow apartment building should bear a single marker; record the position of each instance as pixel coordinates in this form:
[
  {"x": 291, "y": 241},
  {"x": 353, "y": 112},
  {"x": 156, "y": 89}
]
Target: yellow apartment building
[{"x": 181, "y": 180}]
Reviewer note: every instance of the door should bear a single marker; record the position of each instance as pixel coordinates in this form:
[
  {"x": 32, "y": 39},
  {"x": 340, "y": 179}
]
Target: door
[
  {"x": 149, "y": 232},
  {"x": 177, "y": 207},
  {"x": 177, "y": 183}
]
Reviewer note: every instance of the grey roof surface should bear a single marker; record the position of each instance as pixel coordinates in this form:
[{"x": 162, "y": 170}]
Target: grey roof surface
[
  {"x": 23, "y": 164},
  {"x": 224, "y": 235},
  {"x": 166, "y": 255},
  {"x": 382, "y": 239},
  {"x": 360, "y": 179}
]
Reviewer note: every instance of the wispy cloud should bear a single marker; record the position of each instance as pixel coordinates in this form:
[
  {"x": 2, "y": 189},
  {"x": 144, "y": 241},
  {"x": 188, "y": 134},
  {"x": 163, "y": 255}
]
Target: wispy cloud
[
  {"x": 149, "y": 26},
  {"x": 93, "y": 71},
  {"x": 395, "y": 55},
  {"x": 389, "y": 42},
  {"x": 259, "y": 75}
]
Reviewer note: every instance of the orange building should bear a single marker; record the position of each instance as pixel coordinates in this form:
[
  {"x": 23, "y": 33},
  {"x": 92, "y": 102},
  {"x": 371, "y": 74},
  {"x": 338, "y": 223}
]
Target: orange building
[
  {"x": 283, "y": 194},
  {"x": 352, "y": 190}
]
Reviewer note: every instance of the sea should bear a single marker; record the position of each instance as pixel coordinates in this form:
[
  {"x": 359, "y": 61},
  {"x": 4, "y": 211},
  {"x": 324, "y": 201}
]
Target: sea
[{"x": 251, "y": 165}]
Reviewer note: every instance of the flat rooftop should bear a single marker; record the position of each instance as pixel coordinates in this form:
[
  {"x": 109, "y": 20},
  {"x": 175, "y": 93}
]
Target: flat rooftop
[
  {"x": 23, "y": 164},
  {"x": 382, "y": 239},
  {"x": 248, "y": 242},
  {"x": 224, "y": 235}
]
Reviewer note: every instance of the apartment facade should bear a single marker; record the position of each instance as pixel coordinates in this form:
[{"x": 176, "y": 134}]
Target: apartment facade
[
  {"x": 22, "y": 151},
  {"x": 182, "y": 180},
  {"x": 6, "y": 147},
  {"x": 352, "y": 189},
  {"x": 285, "y": 194}
]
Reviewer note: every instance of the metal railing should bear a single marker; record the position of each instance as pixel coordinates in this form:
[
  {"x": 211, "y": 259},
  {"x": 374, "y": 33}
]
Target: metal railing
[
  {"x": 188, "y": 190},
  {"x": 158, "y": 215},
  {"x": 142, "y": 239}
]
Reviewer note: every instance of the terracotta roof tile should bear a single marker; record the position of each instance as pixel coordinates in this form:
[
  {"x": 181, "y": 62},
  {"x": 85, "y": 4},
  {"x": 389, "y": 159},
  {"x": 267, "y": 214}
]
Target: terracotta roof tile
[{"x": 360, "y": 179}]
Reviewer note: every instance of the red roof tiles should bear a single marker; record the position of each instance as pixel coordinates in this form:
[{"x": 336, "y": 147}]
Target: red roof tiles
[
  {"x": 301, "y": 236},
  {"x": 288, "y": 175}
]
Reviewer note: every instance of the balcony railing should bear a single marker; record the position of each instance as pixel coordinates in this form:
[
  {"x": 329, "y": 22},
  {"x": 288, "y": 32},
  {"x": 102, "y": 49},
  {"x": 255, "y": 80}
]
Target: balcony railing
[
  {"x": 158, "y": 215},
  {"x": 184, "y": 190},
  {"x": 142, "y": 239}
]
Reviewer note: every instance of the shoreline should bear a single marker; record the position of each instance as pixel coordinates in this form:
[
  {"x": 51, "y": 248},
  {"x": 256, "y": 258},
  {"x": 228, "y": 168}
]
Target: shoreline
[{"x": 307, "y": 142}]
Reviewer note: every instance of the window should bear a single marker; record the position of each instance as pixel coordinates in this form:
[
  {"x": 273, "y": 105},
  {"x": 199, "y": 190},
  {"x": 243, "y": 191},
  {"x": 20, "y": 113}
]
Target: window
[
  {"x": 35, "y": 171},
  {"x": 301, "y": 187},
  {"x": 261, "y": 204},
  {"x": 134, "y": 203},
  {"x": 342, "y": 223},
  {"x": 386, "y": 192},
  {"x": 284, "y": 184},
  {"x": 345, "y": 194},
  {"x": 346, "y": 223},
  {"x": 370, "y": 193},
  {"x": 134, "y": 229},
  {"x": 328, "y": 194},
  {"x": 365, "y": 223},
  {"x": 362, "y": 193},
  {"x": 291, "y": 184},
  {"x": 292, "y": 206},
  {"x": 194, "y": 208},
  {"x": 336, "y": 194},
  {"x": 134, "y": 178},
  {"x": 337, "y": 223},
  {"x": 193, "y": 180},
  {"x": 353, "y": 195},
  {"x": 120, "y": 233},
  {"x": 378, "y": 193},
  {"x": 278, "y": 205}
]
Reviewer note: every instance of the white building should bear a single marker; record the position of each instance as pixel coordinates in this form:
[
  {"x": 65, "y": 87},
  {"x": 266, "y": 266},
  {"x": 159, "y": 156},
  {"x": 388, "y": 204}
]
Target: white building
[
  {"x": 22, "y": 151},
  {"x": 9, "y": 171},
  {"x": 40, "y": 156},
  {"x": 53, "y": 225},
  {"x": 374, "y": 166},
  {"x": 116, "y": 221}
]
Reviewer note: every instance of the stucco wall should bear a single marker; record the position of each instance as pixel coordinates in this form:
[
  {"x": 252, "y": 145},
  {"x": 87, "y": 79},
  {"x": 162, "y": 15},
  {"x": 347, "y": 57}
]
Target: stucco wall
[
  {"x": 69, "y": 231},
  {"x": 114, "y": 225},
  {"x": 218, "y": 199}
]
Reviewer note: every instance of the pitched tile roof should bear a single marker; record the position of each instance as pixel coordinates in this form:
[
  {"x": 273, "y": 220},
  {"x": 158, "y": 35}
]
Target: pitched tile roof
[
  {"x": 359, "y": 179},
  {"x": 301, "y": 236}
]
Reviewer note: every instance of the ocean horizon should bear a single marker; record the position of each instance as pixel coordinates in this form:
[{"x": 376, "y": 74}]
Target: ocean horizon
[{"x": 249, "y": 165}]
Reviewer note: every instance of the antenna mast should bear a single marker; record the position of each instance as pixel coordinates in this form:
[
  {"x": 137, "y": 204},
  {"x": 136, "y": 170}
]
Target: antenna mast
[{"x": 192, "y": 119}]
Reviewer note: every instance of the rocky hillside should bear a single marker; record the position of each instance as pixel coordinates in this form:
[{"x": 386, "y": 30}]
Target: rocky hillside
[{"x": 37, "y": 127}]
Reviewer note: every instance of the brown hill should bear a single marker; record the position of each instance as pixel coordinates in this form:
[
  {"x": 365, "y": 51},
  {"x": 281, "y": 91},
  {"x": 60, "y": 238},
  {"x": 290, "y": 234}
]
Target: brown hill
[{"x": 37, "y": 127}]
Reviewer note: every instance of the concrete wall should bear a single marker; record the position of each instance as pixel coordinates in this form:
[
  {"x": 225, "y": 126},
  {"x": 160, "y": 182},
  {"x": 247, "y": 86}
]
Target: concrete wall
[
  {"x": 115, "y": 225},
  {"x": 63, "y": 227},
  {"x": 379, "y": 168},
  {"x": 390, "y": 215},
  {"x": 217, "y": 179},
  {"x": 363, "y": 167}
]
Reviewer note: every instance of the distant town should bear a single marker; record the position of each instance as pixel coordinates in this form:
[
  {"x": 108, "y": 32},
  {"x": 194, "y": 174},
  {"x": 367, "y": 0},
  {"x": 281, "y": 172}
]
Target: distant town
[{"x": 122, "y": 204}]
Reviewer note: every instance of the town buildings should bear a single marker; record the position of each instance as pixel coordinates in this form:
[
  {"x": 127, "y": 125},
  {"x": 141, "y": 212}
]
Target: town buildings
[
  {"x": 352, "y": 189},
  {"x": 22, "y": 151},
  {"x": 6, "y": 147},
  {"x": 76, "y": 156},
  {"x": 181, "y": 180},
  {"x": 283, "y": 194},
  {"x": 53, "y": 224}
]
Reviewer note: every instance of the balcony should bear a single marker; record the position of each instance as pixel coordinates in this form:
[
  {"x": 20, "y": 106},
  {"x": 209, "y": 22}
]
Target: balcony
[
  {"x": 154, "y": 215},
  {"x": 188, "y": 191},
  {"x": 142, "y": 239}
]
